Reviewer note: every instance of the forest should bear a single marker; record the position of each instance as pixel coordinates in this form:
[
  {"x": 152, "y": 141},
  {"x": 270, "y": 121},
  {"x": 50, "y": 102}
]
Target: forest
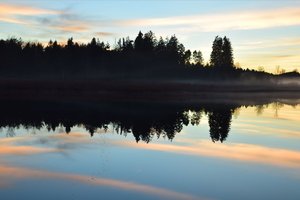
[
  {"x": 144, "y": 58},
  {"x": 143, "y": 68}
]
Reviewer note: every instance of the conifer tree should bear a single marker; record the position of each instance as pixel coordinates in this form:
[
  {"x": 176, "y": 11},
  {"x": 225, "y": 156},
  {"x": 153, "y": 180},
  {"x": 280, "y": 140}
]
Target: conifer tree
[
  {"x": 227, "y": 60},
  {"x": 216, "y": 54},
  {"x": 198, "y": 58},
  {"x": 139, "y": 42}
]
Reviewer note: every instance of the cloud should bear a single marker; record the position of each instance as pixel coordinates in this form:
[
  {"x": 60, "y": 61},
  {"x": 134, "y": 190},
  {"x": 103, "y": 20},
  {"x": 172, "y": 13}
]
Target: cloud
[
  {"x": 25, "y": 150},
  {"x": 52, "y": 22},
  {"x": 239, "y": 152},
  {"x": 263, "y": 130},
  {"x": 9, "y": 173},
  {"x": 104, "y": 34},
  {"x": 290, "y": 43},
  {"x": 236, "y": 20},
  {"x": 10, "y": 9},
  {"x": 17, "y": 146},
  {"x": 10, "y": 19},
  {"x": 270, "y": 52},
  {"x": 57, "y": 143},
  {"x": 282, "y": 56},
  {"x": 22, "y": 173},
  {"x": 13, "y": 13},
  {"x": 71, "y": 28}
]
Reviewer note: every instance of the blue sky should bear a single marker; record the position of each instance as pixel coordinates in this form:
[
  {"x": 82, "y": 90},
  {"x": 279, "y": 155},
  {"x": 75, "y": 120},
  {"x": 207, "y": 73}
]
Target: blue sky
[{"x": 263, "y": 33}]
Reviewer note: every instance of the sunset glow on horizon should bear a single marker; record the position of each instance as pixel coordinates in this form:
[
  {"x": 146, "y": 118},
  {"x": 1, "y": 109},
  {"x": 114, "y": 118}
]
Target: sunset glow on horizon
[{"x": 263, "y": 33}]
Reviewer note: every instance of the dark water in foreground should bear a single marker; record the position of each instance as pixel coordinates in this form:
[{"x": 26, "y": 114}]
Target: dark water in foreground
[{"x": 150, "y": 151}]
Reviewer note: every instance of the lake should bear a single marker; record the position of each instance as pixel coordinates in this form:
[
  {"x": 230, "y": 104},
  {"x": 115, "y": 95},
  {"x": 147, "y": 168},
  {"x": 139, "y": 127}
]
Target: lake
[{"x": 67, "y": 150}]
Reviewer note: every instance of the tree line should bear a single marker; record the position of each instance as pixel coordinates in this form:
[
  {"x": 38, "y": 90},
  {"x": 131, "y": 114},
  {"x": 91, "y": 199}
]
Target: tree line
[{"x": 144, "y": 57}]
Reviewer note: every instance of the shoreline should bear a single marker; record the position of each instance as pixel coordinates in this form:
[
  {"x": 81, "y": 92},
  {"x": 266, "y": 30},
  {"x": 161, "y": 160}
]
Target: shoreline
[{"x": 143, "y": 91}]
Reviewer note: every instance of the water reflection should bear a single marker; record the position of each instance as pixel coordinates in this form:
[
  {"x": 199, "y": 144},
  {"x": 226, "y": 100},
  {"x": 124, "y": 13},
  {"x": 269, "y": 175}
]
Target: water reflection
[
  {"x": 219, "y": 120},
  {"x": 258, "y": 147},
  {"x": 237, "y": 152},
  {"x": 144, "y": 120},
  {"x": 24, "y": 173}
]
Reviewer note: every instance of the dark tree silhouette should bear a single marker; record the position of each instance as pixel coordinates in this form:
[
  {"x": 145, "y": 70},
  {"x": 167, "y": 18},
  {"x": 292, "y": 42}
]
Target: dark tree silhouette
[
  {"x": 139, "y": 42},
  {"x": 227, "y": 54},
  {"x": 198, "y": 58},
  {"x": 195, "y": 118},
  {"x": 216, "y": 59},
  {"x": 222, "y": 55},
  {"x": 144, "y": 120},
  {"x": 143, "y": 58},
  {"x": 161, "y": 46},
  {"x": 187, "y": 57},
  {"x": 149, "y": 41},
  {"x": 219, "y": 120}
]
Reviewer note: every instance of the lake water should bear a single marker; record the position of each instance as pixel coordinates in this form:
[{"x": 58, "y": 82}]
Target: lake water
[{"x": 132, "y": 151}]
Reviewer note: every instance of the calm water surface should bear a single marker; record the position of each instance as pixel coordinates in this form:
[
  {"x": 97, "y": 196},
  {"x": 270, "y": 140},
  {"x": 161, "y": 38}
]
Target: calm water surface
[{"x": 215, "y": 152}]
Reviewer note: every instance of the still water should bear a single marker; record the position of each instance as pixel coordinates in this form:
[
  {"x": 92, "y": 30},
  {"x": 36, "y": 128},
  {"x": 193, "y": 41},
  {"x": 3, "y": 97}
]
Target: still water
[{"x": 232, "y": 151}]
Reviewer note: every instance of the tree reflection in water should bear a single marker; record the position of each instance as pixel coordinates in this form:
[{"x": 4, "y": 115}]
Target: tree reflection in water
[
  {"x": 144, "y": 120},
  {"x": 219, "y": 121}
]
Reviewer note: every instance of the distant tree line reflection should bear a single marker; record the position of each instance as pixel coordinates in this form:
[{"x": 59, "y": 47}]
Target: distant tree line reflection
[{"x": 144, "y": 120}]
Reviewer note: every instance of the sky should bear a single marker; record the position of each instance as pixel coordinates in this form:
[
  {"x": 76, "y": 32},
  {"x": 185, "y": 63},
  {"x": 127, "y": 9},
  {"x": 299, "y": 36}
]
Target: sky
[{"x": 262, "y": 32}]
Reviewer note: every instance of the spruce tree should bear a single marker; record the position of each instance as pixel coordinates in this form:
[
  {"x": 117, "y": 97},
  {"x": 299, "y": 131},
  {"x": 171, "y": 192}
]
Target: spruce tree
[
  {"x": 216, "y": 54},
  {"x": 161, "y": 46},
  {"x": 198, "y": 58},
  {"x": 221, "y": 56},
  {"x": 139, "y": 42},
  {"x": 227, "y": 60},
  {"x": 149, "y": 41}
]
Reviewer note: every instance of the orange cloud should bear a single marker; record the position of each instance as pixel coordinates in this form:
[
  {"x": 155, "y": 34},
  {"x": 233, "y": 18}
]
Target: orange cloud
[
  {"x": 10, "y": 140},
  {"x": 9, "y": 173},
  {"x": 22, "y": 173},
  {"x": 10, "y": 146},
  {"x": 240, "y": 152},
  {"x": 25, "y": 150},
  {"x": 9, "y": 12},
  {"x": 9, "y": 19},
  {"x": 71, "y": 28},
  {"x": 238, "y": 20},
  {"x": 104, "y": 34},
  {"x": 23, "y": 10}
]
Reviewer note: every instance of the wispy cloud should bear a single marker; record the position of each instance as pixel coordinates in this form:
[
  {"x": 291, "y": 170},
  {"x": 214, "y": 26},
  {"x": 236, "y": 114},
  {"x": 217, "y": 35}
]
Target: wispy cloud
[
  {"x": 58, "y": 143},
  {"x": 104, "y": 34},
  {"x": 13, "y": 13},
  {"x": 23, "y": 173},
  {"x": 25, "y": 150},
  {"x": 239, "y": 152},
  {"x": 9, "y": 173},
  {"x": 284, "y": 42},
  {"x": 10, "y": 9},
  {"x": 270, "y": 52},
  {"x": 51, "y": 23},
  {"x": 236, "y": 20},
  {"x": 71, "y": 28}
]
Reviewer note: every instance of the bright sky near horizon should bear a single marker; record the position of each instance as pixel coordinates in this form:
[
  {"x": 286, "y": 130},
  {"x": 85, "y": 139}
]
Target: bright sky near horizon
[{"x": 263, "y": 32}]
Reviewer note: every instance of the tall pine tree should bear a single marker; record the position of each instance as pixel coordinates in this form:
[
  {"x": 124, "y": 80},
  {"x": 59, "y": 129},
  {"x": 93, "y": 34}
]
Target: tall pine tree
[
  {"x": 227, "y": 54},
  {"x": 221, "y": 56},
  {"x": 139, "y": 42},
  {"x": 216, "y": 54}
]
